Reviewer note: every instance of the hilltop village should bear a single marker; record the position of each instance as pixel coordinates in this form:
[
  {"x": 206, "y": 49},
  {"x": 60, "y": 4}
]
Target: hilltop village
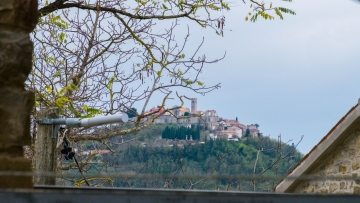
[{"x": 218, "y": 127}]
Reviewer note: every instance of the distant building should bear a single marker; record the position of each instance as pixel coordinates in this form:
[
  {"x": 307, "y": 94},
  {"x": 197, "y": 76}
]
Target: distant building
[
  {"x": 193, "y": 105},
  {"x": 226, "y": 128}
]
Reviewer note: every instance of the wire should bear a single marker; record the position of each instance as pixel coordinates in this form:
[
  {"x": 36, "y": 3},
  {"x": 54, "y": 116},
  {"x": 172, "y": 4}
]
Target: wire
[{"x": 81, "y": 171}]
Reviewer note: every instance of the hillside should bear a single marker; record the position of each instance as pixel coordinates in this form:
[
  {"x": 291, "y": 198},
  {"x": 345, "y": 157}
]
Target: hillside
[{"x": 210, "y": 159}]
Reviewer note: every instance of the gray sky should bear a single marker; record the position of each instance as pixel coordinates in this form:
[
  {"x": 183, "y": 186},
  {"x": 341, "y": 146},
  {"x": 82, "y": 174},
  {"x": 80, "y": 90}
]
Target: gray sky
[{"x": 296, "y": 76}]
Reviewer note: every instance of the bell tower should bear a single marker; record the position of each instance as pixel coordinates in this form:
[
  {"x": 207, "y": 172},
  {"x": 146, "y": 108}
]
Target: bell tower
[{"x": 193, "y": 105}]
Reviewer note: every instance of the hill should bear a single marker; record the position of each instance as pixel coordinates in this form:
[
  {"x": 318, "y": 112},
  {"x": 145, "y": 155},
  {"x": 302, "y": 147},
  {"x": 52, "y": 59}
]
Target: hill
[{"x": 251, "y": 164}]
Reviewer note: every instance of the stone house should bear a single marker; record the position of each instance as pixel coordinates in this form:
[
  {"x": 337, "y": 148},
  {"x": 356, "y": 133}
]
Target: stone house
[{"x": 335, "y": 160}]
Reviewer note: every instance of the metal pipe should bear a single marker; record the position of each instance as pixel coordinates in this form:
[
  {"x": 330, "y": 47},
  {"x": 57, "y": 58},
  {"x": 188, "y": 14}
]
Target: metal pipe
[
  {"x": 101, "y": 120},
  {"x": 85, "y": 122}
]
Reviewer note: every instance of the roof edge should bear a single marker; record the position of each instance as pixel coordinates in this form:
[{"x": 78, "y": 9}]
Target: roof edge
[{"x": 309, "y": 159}]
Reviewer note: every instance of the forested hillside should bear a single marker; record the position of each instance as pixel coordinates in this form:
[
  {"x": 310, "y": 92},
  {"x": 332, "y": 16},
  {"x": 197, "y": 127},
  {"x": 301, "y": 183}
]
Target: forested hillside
[{"x": 247, "y": 165}]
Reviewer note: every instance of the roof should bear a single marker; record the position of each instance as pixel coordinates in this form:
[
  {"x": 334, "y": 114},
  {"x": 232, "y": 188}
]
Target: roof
[
  {"x": 334, "y": 138},
  {"x": 184, "y": 109}
]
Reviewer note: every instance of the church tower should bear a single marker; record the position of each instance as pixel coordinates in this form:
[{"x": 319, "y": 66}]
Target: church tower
[{"x": 193, "y": 105}]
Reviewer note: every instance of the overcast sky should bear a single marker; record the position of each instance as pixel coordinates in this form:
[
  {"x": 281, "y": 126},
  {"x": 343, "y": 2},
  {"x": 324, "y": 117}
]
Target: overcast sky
[{"x": 296, "y": 76}]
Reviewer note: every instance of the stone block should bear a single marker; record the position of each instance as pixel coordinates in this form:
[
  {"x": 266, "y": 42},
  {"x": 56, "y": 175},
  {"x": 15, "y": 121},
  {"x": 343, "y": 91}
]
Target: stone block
[
  {"x": 356, "y": 190},
  {"x": 337, "y": 155},
  {"x": 350, "y": 153},
  {"x": 347, "y": 162},
  {"x": 15, "y": 58},
  {"x": 343, "y": 169},
  {"x": 20, "y": 13},
  {"x": 355, "y": 165},
  {"x": 333, "y": 187},
  {"x": 342, "y": 185},
  {"x": 318, "y": 184},
  {"x": 310, "y": 189},
  {"x": 323, "y": 191},
  {"x": 15, "y": 164},
  {"x": 332, "y": 170},
  {"x": 15, "y": 109}
]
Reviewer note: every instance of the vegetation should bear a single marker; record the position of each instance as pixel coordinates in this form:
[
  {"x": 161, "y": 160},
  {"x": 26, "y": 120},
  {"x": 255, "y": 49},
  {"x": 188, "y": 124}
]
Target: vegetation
[
  {"x": 251, "y": 164},
  {"x": 132, "y": 112},
  {"x": 103, "y": 57},
  {"x": 96, "y": 57},
  {"x": 182, "y": 133}
]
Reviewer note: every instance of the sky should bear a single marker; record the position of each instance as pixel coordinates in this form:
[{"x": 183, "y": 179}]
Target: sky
[{"x": 297, "y": 76}]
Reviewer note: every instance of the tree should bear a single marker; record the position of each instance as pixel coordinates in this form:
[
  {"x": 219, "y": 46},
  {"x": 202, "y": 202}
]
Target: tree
[
  {"x": 131, "y": 112},
  {"x": 103, "y": 57},
  {"x": 247, "y": 133}
]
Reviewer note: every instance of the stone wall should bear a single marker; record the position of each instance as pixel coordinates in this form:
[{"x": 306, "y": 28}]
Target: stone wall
[
  {"x": 17, "y": 19},
  {"x": 342, "y": 165}
]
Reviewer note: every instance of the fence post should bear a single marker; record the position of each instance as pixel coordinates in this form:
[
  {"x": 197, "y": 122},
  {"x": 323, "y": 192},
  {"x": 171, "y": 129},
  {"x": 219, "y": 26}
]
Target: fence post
[{"x": 45, "y": 149}]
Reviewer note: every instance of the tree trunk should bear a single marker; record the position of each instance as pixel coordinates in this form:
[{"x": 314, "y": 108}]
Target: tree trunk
[
  {"x": 45, "y": 149},
  {"x": 17, "y": 19}
]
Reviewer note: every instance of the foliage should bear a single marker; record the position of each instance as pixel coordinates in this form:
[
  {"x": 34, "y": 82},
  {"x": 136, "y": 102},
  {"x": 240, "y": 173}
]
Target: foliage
[
  {"x": 97, "y": 57},
  {"x": 261, "y": 9},
  {"x": 202, "y": 159},
  {"x": 182, "y": 133},
  {"x": 247, "y": 133},
  {"x": 248, "y": 158},
  {"x": 102, "y": 57},
  {"x": 131, "y": 112}
]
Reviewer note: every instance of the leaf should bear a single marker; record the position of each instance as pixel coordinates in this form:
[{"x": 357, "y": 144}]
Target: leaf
[
  {"x": 286, "y": 10},
  {"x": 279, "y": 13},
  {"x": 61, "y": 101},
  {"x": 200, "y": 83},
  {"x": 254, "y": 18},
  {"x": 57, "y": 74},
  {"x": 180, "y": 72},
  {"x": 47, "y": 87},
  {"x": 159, "y": 73},
  {"x": 62, "y": 91},
  {"x": 189, "y": 82},
  {"x": 111, "y": 82},
  {"x": 72, "y": 87},
  {"x": 85, "y": 107},
  {"x": 74, "y": 111},
  {"x": 246, "y": 18},
  {"x": 265, "y": 15},
  {"x": 93, "y": 111}
]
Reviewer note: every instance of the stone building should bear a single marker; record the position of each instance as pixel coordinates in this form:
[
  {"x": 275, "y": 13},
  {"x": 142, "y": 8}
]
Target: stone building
[
  {"x": 183, "y": 116},
  {"x": 335, "y": 160},
  {"x": 193, "y": 105}
]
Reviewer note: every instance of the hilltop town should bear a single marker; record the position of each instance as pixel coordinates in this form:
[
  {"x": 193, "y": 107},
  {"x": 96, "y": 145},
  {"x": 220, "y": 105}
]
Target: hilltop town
[{"x": 218, "y": 127}]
